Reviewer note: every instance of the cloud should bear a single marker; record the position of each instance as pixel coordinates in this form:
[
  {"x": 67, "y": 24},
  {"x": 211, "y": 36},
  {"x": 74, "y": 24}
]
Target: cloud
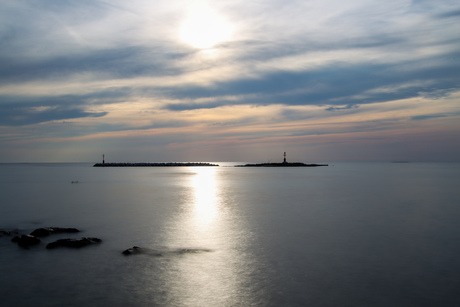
[
  {"x": 122, "y": 62},
  {"x": 347, "y": 107},
  {"x": 18, "y": 111},
  {"x": 18, "y": 116},
  {"x": 449, "y": 14},
  {"x": 423, "y": 117},
  {"x": 333, "y": 85}
]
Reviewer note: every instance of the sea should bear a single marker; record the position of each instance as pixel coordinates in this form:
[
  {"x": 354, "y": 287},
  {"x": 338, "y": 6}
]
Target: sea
[{"x": 346, "y": 234}]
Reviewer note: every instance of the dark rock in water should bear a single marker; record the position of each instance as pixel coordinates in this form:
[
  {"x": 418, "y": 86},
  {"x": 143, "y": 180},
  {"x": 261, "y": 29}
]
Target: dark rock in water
[
  {"x": 9, "y": 233},
  {"x": 133, "y": 250},
  {"x": 136, "y": 250},
  {"x": 26, "y": 240},
  {"x": 46, "y": 231},
  {"x": 75, "y": 243},
  {"x": 41, "y": 232},
  {"x": 191, "y": 251}
]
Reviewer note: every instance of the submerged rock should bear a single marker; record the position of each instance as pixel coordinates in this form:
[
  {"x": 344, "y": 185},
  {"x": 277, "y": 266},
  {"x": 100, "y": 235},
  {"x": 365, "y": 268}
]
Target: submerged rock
[
  {"x": 133, "y": 250},
  {"x": 26, "y": 240},
  {"x": 8, "y": 233},
  {"x": 75, "y": 243},
  {"x": 46, "y": 231}
]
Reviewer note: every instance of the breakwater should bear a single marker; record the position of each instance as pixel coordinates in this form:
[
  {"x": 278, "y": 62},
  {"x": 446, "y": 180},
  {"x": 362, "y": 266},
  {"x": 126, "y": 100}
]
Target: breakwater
[
  {"x": 283, "y": 164},
  {"x": 149, "y": 164}
]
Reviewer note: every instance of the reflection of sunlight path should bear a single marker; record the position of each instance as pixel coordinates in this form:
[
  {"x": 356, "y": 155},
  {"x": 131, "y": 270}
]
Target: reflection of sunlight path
[
  {"x": 215, "y": 278},
  {"x": 206, "y": 198}
]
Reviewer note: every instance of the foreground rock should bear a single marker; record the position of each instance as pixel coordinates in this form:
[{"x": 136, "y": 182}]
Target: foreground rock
[
  {"x": 46, "y": 231},
  {"x": 74, "y": 243},
  {"x": 133, "y": 250},
  {"x": 26, "y": 240}
]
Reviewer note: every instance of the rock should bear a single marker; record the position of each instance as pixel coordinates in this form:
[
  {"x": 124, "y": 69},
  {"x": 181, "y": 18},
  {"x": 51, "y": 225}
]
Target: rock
[
  {"x": 9, "y": 233},
  {"x": 41, "y": 232},
  {"x": 75, "y": 243},
  {"x": 46, "y": 231},
  {"x": 26, "y": 240},
  {"x": 133, "y": 250}
]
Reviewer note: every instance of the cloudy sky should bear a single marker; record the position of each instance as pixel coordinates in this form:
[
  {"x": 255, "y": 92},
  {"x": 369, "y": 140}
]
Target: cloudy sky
[{"x": 233, "y": 80}]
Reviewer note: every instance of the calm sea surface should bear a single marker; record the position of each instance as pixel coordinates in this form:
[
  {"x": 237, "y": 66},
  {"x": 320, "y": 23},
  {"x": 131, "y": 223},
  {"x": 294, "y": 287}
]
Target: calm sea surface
[{"x": 350, "y": 234}]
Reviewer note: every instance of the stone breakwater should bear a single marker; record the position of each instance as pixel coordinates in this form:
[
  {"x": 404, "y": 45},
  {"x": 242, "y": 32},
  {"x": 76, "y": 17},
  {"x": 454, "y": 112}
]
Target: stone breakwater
[
  {"x": 284, "y": 164},
  {"x": 149, "y": 164}
]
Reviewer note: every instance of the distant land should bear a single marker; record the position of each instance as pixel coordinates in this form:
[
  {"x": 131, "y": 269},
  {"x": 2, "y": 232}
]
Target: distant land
[
  {"x": 282, "y": 164},
  {"x": 149, "y": 164},
  {"x": 169, "y": 164}
]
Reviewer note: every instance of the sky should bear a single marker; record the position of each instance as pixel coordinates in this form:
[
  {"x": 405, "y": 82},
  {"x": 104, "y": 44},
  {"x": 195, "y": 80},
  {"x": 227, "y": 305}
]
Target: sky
[{"x": 233, "y": 80}]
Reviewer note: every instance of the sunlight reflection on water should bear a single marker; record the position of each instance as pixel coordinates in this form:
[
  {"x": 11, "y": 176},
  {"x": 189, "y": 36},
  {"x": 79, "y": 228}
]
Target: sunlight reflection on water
[
  {"x": 216, "y": 275},
  {"x": 206, "y": 190}
]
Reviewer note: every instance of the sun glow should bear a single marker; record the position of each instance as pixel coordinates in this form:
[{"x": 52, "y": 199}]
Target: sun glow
[{"x": 204, "y": 29}]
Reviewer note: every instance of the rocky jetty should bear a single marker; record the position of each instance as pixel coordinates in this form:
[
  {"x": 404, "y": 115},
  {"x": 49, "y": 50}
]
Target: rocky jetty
[
  {"x": 149, "y": 164},
  {"x": 282, "y": 164}
]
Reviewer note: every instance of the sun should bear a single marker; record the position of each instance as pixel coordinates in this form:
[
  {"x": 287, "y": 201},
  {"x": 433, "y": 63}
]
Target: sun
[{"x": 204, "y": 29}]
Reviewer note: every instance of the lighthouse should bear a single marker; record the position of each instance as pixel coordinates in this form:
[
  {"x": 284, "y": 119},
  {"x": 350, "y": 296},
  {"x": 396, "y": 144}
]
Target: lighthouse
[{"x": 284, "y": 160}]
